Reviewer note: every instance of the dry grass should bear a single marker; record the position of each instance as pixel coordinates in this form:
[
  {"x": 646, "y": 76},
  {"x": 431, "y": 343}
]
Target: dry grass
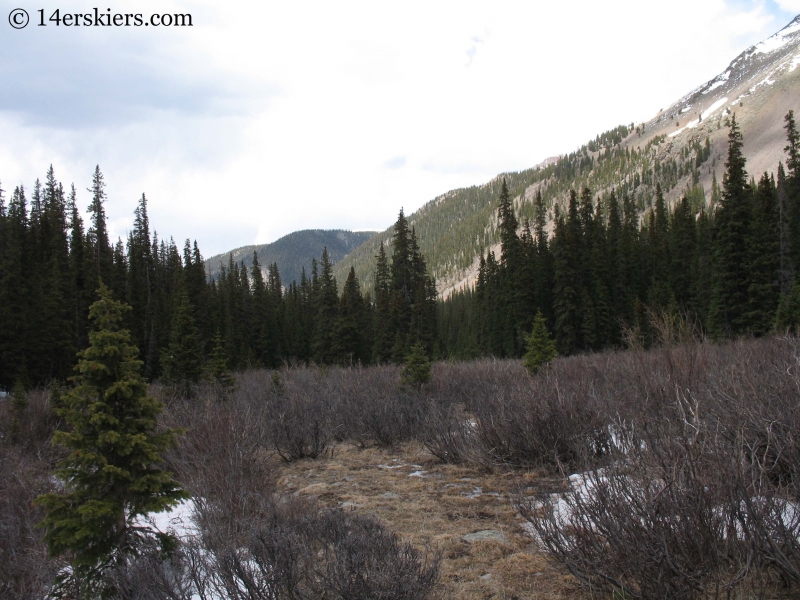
[{"x": 433, "y": 504}]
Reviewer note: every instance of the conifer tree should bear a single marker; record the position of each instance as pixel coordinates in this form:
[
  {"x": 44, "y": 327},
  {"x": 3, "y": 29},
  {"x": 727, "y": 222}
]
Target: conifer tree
[
  {"x": 382, "y": 346},
  {"x": 540, "y": 347},
  {"x": 182, "y": 360},
  {"x": 353, "y": 330},
  {"x": 217, "y": 367},
  {"x": 619, "y": 290},
  {"x": 566, "y": 289},
  {"x": 787, "y": 317},
  {"x": 543, "y": 272},
  {"x": 792, "y": 150},
  {"x": 764, "y": 264},
  {"x": 111, "y": 476},
  {"x": 264, "y": 327},
  {"x": 327, "y": 313},
  {"x": 682, "y": 248},
  {"x": 660, "y": 295},
  {"x": 784, "y": 249},
  {"x": 417, "y": 367},
  {"x": 98, "y": 232},
  {"x": 731, "y": 275}
]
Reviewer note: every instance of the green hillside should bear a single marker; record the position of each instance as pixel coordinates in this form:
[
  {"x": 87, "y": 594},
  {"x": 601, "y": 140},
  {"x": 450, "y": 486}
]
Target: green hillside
[
  {"x": 681, "y": 149},
  {"x": 294, "y": 251},
  {"x": 454, "y": 228}
]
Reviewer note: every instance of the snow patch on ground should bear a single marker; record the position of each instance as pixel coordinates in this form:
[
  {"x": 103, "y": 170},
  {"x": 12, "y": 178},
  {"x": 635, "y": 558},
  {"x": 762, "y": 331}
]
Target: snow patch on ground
[
  {"x": 714, "y": 86},
  {"x": 795, "y": 62},
  {"x": 717, "y": 105},
  {"x": 765, "y": 81},
  {"x": 179, "y": 521},
  {"x": 779, "y": 40},
  {"x": 677, "y": 132}
]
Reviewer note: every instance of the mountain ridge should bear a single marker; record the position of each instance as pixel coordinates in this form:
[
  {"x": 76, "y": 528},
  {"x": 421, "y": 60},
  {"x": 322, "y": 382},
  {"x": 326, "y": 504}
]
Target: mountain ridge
[
  {"x": 681, "y": 148},
  {"x": 292, "y": 252}
]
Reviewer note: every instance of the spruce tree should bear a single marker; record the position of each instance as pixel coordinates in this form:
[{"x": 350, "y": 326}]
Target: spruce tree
[
  {"x": 111, "y": 476},
  {"x": 728, "y": 315},
  {"x": 417, "y": 367},
  {"x": 327, "y": 314},
  {"x": 217, "y": 369},
  {"x": 182, "y": 360},
  {"x": 540, "y": 347},
  {"x": 764, "y": 261},
  {"x": 101, "y": 251},
  {"x": 566, "y": 289},
  {"x": 384, "y": 332},
  {"x": 353, "y": 328}
]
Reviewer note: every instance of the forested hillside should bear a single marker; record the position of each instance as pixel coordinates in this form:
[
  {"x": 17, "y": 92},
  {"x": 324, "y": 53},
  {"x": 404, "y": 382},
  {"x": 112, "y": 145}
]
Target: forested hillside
[
  {"x": 604, "y": 278},
  {"x": 682, "y": 149},
  {"x": 294, "y": 251}
]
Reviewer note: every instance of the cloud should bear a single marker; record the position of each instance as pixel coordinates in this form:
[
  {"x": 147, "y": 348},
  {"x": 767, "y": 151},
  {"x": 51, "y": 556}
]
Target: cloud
[
  {"x": 90, "y": 77},
  {"x": 395, "y": 163},
  {"x": 792, "y": 6},
  {"x": 271, "y": 117}
]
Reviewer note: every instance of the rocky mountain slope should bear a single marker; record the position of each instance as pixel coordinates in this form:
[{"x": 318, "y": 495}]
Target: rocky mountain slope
[
  {"x": 293, "y": 252},
  {"x": 682, "y": 148}
]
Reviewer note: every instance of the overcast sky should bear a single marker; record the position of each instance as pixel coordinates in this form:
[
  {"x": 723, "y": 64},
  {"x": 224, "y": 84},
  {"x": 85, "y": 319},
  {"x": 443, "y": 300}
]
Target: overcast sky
[{"x": 268, "y": 117}]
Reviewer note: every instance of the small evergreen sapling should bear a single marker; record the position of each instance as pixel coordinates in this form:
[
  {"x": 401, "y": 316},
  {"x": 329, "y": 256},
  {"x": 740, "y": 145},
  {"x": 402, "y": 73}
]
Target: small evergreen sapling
[
  {"x": 217, "y": 367},
  {"x": 417, "y": 368},
  {"x": 111, "y": 476},
  {"x": 541, "y": 348}
]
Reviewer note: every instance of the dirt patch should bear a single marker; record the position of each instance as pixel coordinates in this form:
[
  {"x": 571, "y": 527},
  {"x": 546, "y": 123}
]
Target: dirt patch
[{"x": 432, "y": 504}]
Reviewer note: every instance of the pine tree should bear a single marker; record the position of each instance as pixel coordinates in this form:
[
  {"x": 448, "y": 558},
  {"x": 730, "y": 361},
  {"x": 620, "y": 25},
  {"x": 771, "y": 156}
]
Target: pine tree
[
  {"x": 182, "y": 360},
  {"x": 111, "y": 476},
  {"x": 660, "y": 295},
  {"x": 264, "y": 329},
  {"x": 98, "y": 232},
  {"x": 353, "y": 329},
  {"x": 731, "y": 277},
  {"x": 327, "y": 314},
  {"x": 543, "y": 273},
  {"x": 384, "y": 332},
  {"x": 682, "y": 248},
  {"x": 764, "y": 261},
  {"x": 566, "y": 289},
  {"x": 787, "y": 317},
  {"x": 417, "y": 367},
  {"x": 217, "y": 367},
  {"x": 540, "y": 347}
]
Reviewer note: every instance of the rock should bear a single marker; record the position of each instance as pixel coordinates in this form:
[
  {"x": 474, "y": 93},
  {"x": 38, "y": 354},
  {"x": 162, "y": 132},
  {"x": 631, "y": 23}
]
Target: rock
[
  {"x": 390, "y": 496},
  {"x": 487, "y": 535},
  {"x": 315, "y": 489},
  {"x": 487, "y": 577}
]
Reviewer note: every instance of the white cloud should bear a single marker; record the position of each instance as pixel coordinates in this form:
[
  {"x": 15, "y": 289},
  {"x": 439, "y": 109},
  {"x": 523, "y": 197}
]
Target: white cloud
[
  {"x": 789, "y": 5},
  {"x": 334, "y": 115}
]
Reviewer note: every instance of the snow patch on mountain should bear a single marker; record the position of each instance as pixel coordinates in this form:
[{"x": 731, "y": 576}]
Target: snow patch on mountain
[{"x": 779, "y": 40}]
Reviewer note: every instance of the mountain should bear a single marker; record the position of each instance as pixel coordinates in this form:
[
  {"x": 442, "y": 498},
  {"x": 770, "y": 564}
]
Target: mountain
[
  {"x": 294, "y": 251},
  {"x": 681, "y": 148}
]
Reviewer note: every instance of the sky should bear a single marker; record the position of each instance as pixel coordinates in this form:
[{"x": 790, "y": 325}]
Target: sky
[{"x": 264, "y": 117}]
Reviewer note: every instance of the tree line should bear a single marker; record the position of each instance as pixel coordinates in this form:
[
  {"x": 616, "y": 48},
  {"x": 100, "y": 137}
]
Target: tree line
[
  {"x": 184, "y": 325},
  {"x": 729, "y": 265},
  {"x": 596, "y": 274}
]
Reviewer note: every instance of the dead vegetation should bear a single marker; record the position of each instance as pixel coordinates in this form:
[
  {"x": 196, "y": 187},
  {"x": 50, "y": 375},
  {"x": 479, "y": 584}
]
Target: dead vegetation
[{"x": 670, "y": 473}]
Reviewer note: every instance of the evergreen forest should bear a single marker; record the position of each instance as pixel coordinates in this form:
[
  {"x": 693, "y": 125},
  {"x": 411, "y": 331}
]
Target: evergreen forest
[{"x": 597, "y": 271}]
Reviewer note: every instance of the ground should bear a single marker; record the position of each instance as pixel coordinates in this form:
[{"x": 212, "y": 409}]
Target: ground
[{"x": 433, "y": 504}]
